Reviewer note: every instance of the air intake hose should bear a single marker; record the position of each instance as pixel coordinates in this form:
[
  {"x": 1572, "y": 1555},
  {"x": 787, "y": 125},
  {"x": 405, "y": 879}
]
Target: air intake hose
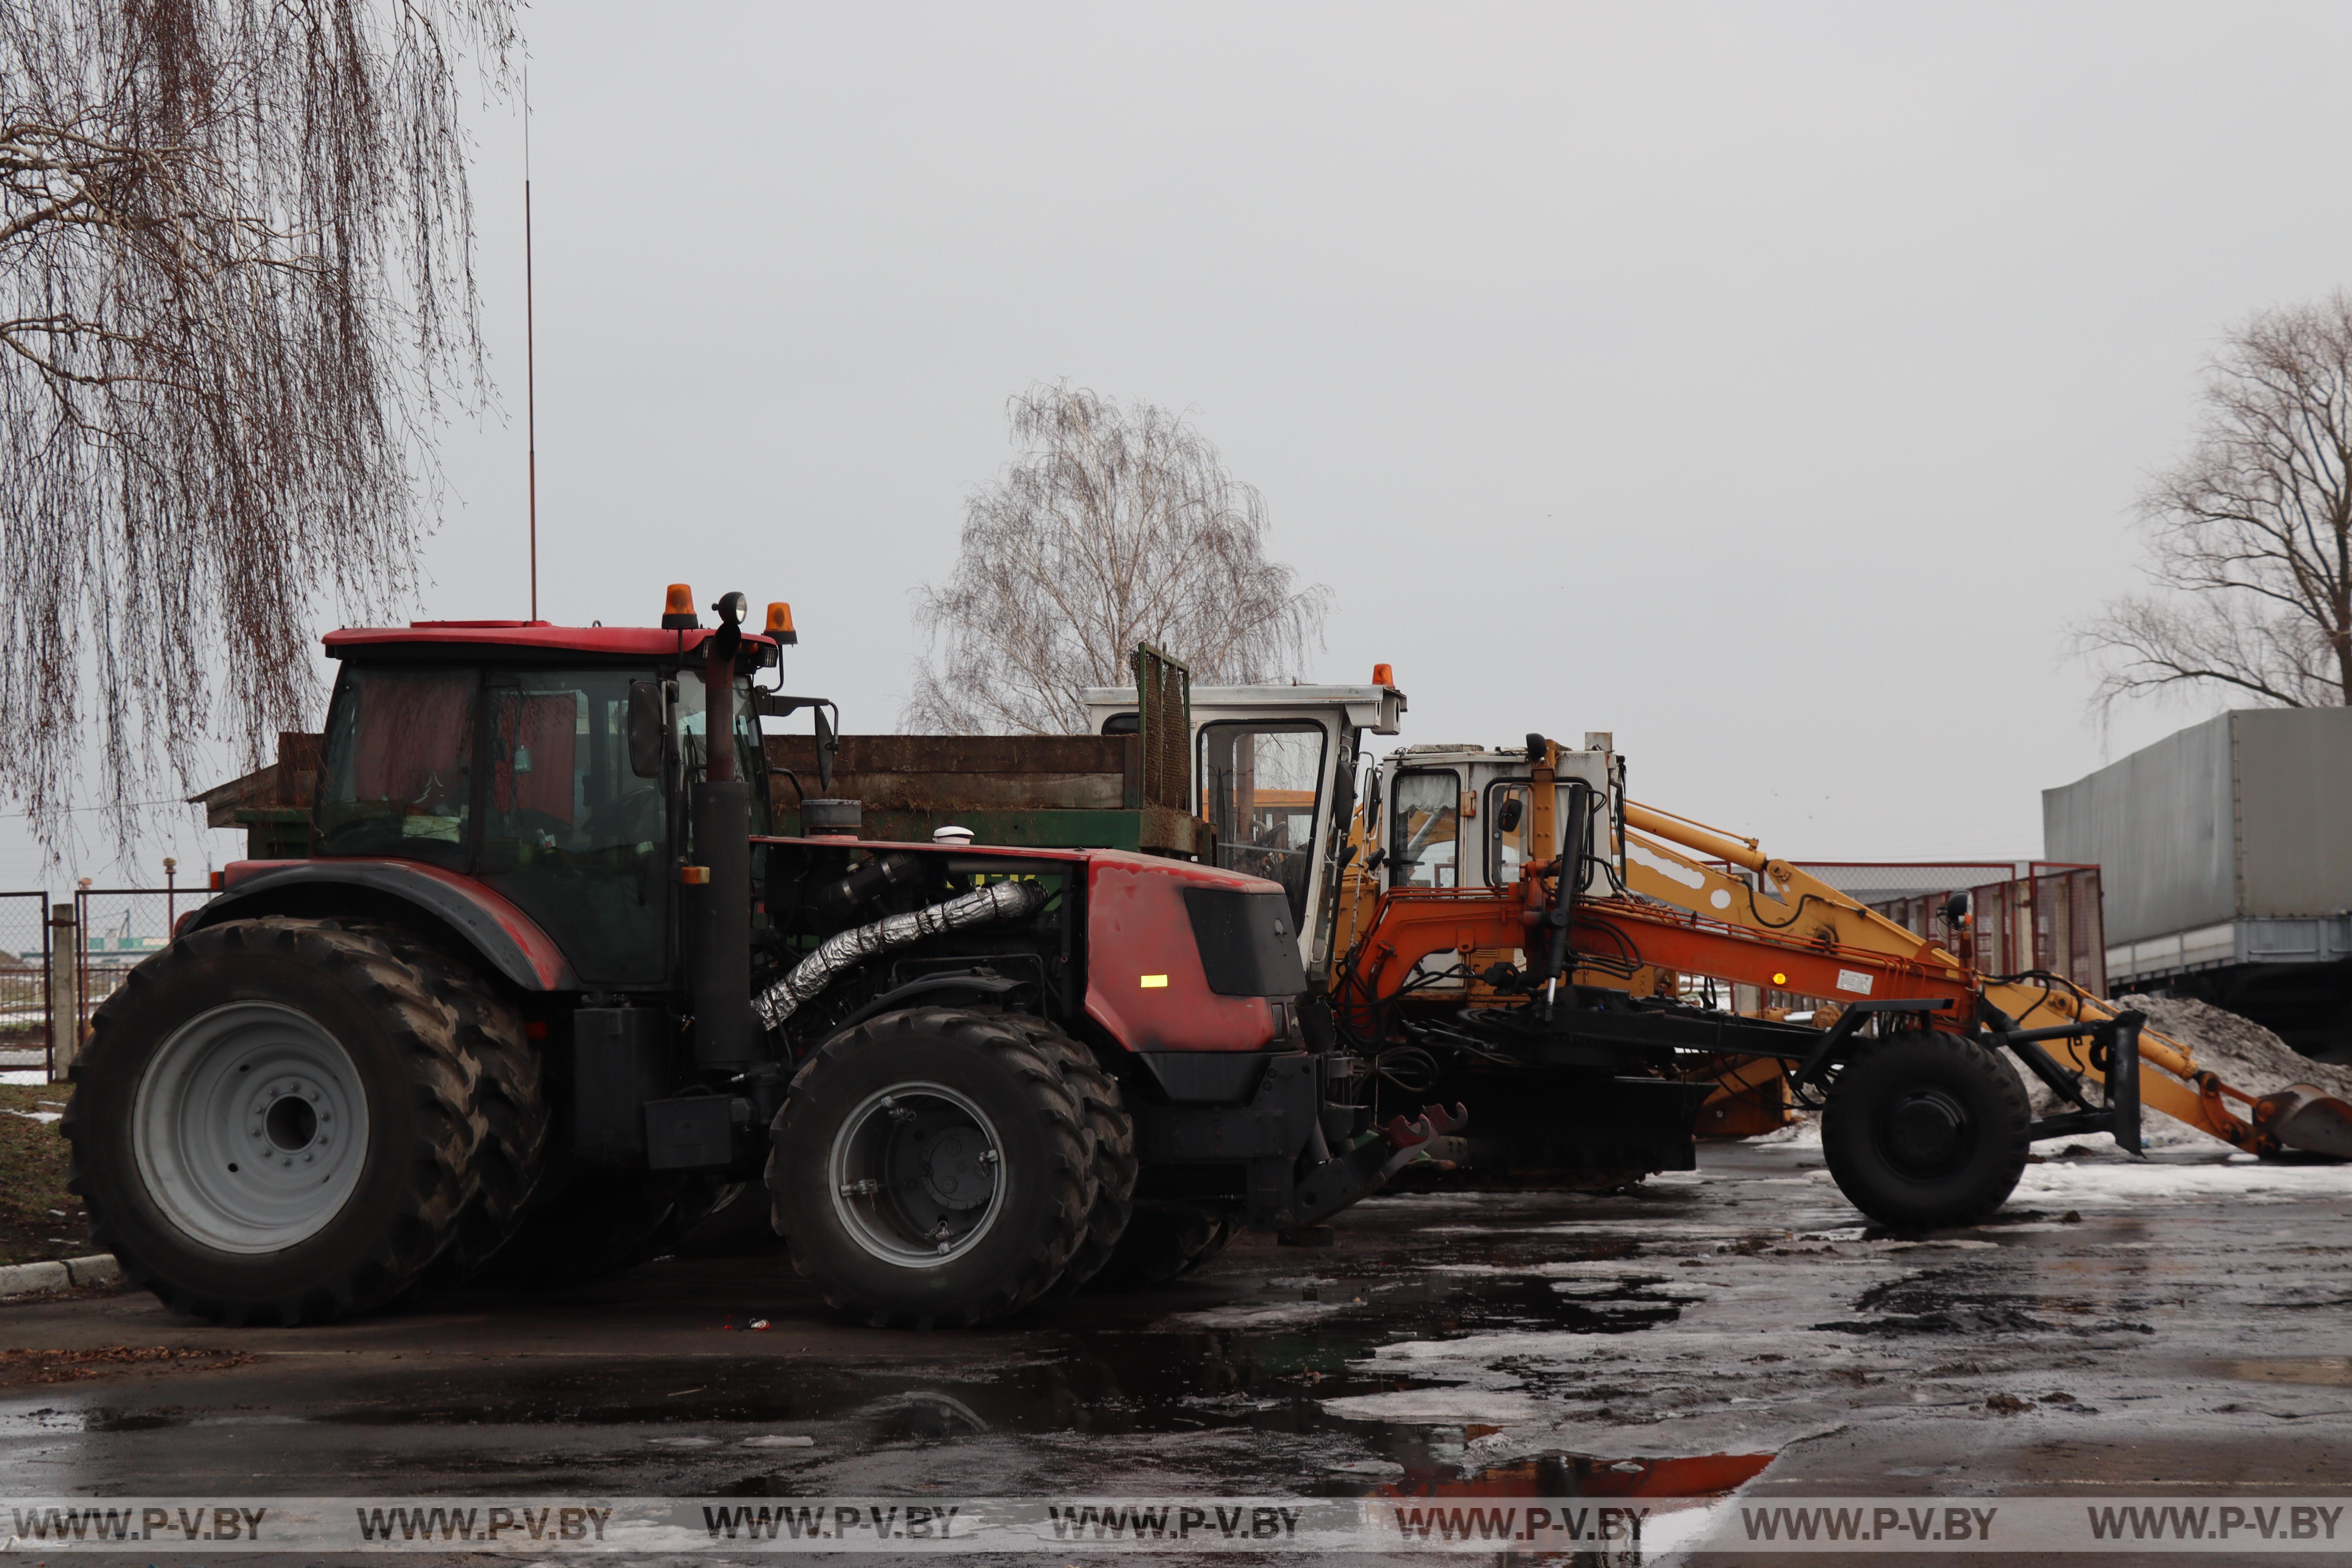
[{"x": 844, "y": 950}]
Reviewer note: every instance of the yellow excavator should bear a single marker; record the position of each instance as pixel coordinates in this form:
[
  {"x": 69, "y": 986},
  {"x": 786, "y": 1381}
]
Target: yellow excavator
[
  {"x": 1551, "y": 998},
  {"x": 1686, "y": 864}
]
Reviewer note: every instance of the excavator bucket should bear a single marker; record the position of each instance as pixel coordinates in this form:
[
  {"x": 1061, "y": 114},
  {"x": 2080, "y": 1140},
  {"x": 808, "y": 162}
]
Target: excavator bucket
[{"x": 2305, "y": 1116}]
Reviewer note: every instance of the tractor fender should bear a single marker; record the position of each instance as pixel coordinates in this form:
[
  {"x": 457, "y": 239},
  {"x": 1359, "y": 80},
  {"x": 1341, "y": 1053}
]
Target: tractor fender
[{"x": 507, "y": 939}]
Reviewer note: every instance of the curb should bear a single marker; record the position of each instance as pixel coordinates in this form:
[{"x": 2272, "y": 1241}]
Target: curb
[{"x": 31, "y": 1279}]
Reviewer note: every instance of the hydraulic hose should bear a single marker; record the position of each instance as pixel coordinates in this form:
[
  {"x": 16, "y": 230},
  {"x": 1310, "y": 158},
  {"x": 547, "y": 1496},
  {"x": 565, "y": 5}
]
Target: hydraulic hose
[{"x": 846, "y": 950}]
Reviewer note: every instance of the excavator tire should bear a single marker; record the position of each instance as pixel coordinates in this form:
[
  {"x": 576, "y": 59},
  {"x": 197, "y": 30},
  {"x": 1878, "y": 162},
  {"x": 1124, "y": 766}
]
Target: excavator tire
[
  {"x": 1927, "y": 1130},
  {"x": 930, "y": 1169},
  {"x": 1110, "y": 1145},
  {"x": 1163, "y": 1244},
  {"x": 275, "y": 1122}
]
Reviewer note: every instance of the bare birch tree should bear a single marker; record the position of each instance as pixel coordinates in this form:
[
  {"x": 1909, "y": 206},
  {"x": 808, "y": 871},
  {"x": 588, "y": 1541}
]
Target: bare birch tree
[
  {"x": 2251, "y": 537},
  {"x": 235, "y": 249},
  {"x": 1114, "y": 526}
]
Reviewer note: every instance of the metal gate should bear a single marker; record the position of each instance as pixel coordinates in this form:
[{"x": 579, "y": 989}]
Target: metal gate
[{"x": 26, "y": 1004}]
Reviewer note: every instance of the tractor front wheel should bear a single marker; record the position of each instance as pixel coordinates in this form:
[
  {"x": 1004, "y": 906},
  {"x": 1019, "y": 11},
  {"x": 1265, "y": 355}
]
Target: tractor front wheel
[
  {"x": 1927, "y": 1130},
  {"x": 931, "y": 1168}
]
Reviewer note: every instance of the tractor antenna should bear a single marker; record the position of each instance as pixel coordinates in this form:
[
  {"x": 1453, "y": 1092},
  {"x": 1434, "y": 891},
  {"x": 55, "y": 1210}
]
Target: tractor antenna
[{"x": 529, "y": 363}]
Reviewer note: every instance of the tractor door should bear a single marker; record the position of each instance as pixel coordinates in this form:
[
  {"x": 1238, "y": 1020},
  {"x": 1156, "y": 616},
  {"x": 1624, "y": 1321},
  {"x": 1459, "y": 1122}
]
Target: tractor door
[{"x": 569, "y": 833}]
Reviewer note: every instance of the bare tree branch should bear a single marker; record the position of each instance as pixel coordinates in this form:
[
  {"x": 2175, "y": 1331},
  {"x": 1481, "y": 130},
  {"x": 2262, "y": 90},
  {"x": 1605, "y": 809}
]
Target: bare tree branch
[
  {"x": 1115, "y": 526},
  {"x": 237, "y": 294},
  {"x": 2250, "y": 539}
]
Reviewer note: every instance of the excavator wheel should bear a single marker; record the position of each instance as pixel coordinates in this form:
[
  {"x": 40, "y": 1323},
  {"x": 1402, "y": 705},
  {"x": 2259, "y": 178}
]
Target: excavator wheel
[
  {"x": 1927, "y": 1130},
  {"x": 275, "y": 1122},
  {"x": 930, "y": 1169}
]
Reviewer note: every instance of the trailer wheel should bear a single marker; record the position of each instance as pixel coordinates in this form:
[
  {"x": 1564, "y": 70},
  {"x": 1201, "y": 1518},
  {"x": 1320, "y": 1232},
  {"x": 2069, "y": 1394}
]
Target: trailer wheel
[
  {"x": 1163, "y": 1244},
  {"x": 1928, "y": 1130},
  {"x": 1110, "y": 1148},
  {"x": 929, "y": 1169},
  {"x": 274, "y": 1122}
]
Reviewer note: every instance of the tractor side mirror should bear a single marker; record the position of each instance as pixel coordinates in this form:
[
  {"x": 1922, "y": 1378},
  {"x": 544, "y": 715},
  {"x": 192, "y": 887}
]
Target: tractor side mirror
[
  {"x": 644, "y": 729},
  {"x": 826, "y": 743},
  {"x": 1507, "y": 814}
]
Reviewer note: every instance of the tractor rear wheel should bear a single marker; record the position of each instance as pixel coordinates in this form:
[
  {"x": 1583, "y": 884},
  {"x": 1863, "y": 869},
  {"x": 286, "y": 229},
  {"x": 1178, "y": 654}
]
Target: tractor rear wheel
[
  {"x": 273, "y": 1122},
  {"x": 1928, "y": 1130},
  {"x": 931, "y": 1168},
  {"x": 509, "y": 1092}
]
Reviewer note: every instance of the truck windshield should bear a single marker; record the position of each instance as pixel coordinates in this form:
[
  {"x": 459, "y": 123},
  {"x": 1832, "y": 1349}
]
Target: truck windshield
[{"x": 1264, "y": 785}]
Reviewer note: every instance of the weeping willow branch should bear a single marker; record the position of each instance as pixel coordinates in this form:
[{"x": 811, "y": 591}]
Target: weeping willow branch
[{"x": 237, "y": 301}]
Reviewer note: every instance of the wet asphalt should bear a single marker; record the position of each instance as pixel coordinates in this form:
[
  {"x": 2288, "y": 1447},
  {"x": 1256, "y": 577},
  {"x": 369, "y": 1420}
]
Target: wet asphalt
[{"x": 2119, "y": 1331}]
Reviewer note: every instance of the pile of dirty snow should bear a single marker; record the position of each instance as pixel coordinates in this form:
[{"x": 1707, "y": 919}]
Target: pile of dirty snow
[
  {"x": 2246, "y": 1056},
  {"x": 2243, "y": 1052}
]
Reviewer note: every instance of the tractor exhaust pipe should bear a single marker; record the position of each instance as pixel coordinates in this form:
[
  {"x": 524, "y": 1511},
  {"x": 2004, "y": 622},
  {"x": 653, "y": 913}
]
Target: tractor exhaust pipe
[{"x": 715, "y": 916}]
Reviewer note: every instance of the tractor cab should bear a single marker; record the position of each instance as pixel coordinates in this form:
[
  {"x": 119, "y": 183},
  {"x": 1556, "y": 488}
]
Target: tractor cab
[{"x": 548, "y": 763}]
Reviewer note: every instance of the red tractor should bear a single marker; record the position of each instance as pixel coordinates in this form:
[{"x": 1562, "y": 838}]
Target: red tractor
[{"x": 546, "y": 988}]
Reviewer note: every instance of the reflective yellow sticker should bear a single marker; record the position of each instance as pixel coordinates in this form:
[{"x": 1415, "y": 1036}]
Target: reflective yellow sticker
[{"x": 1155, "y": 983}]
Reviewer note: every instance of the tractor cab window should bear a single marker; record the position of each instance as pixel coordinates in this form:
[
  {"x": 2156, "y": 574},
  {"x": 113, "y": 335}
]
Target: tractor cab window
[
  {"x": 569, "y": 832},
  {"x": 396, "y": 775},
  {"x": 750, "y": 750},
  {"x": 1263, "y": 786},
  {"x": 1424, "y": 829}
]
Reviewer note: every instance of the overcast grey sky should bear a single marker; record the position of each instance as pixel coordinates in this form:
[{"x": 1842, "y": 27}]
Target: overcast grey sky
[{"x": 1768, "y": 384}]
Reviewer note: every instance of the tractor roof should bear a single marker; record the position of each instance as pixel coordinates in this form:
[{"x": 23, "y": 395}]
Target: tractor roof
[{"x": 424, "y": 637}]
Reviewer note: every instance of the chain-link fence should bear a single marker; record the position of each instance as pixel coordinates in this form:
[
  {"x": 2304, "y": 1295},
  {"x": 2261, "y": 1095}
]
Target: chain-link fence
[{"x": 120, "y": 928}]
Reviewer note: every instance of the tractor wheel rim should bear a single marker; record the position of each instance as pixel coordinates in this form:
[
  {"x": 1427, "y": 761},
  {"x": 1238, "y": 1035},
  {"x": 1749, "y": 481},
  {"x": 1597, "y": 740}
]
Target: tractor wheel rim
[
  {"x": 250, "y": 1128},
  {"x": 916, "y": 1173}
]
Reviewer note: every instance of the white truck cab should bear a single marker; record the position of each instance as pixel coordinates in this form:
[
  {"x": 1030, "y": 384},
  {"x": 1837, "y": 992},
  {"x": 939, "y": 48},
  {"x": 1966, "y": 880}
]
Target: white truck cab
[{"x": 1276, "y": 767}]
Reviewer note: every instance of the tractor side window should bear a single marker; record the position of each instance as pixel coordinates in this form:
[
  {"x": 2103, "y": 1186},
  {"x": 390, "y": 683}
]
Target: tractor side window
[
  {"x": 1424, "y": 829},
  {"x": 569, "y": 832},
  {"x": 1263, "y": 785},
  {"x": 395, "y": 772}
]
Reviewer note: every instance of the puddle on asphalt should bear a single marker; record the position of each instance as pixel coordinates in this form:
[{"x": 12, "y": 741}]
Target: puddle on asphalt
[{"x": 1079, "y": 1371}]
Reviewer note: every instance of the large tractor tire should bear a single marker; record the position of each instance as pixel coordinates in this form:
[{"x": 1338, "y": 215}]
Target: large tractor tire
[
  {"x": 510, "y": 1093},
  {"x": 1110, "y": 1148},
  {"x": 1164, "y": 1244},
  {"x": 1927, "y": 1130},
  {"x": 274, "y": 1122},
  {"x": 930, "y": 1169}
]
